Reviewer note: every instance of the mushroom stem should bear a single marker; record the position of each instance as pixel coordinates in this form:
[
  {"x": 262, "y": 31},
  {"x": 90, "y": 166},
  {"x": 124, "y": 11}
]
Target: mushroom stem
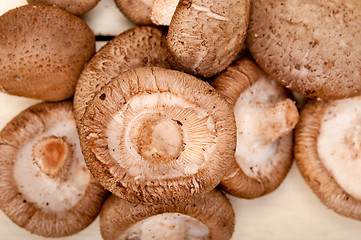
[
  {"x": 162, "y": 11},
  {"x": 277, "y": 120},
  {"x": 51, "y": 155}
]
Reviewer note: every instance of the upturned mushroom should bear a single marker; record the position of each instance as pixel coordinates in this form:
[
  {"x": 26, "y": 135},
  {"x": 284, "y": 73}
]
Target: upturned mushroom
[
  {"x": 265, "y": 118},
  {"x": 154, "y": 135},
  {"x": 140, "y": 46},
  {"x": 137, "y": 11},
  {"x": 205, "y": 36},
  {"x": 328, "y": 153},
  {"x": 44, "y": 183},
  {"x": 208, "y": 217},
  {"x": 310, "y": 47},
  {"x": 43, "y": 51},
  {"x": 77, "y": 7}
]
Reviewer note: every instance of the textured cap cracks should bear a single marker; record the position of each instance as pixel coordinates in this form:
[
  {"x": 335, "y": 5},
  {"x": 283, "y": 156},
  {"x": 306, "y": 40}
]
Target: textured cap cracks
[{"x": 157, "y": 135}]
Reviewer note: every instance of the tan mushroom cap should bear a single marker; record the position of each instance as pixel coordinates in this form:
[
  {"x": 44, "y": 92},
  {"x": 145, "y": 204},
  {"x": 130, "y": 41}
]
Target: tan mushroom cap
[
  {"x": 137, "y": 11},
  {"x": 265, "y": 118},
  {"x": 327, "y": 153},
  {"x": 310, "y": 47},
  {"x": 162, "y": 11},
  {"x": 43, "y": 51},
  {"x": 77, "y": 7},
  {"x": 44, "y": 183},
  {"x": 205, "y": 36},
  {"x": 140, "y": 46},
  {"x": 208, "y": 217},
  {"x": 154, "y": 135}
]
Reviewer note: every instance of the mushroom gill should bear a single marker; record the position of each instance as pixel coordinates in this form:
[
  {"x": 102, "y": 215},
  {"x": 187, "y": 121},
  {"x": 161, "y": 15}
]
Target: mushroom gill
[
  {"x": 45, "y": 185},
  {"x": 155, "y": 136},
  {"x": 265, "y": 118},
  {"x": 204, "y": 218},
  {"x": 327, "y": 153}
]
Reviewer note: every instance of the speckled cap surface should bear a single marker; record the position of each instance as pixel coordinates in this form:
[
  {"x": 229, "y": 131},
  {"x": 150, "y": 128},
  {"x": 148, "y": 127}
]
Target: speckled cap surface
[{"x": 311, "y": 47}]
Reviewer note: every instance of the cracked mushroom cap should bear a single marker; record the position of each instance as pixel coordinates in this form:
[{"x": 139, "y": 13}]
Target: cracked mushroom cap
[
  {"x": 43, "y": 51},
  {"x": 208, "y": 217},
  {"x": 77, "y": 7},
  {"x": 154, "y": 135},
  {"x": 310, "y": 47},
  {"x": 44, "y": 183},
  {"x": 205, "y": 36},
  {"x": 137, "y": 11},
  {"x": 265, "y": 118},
  {"x": 328, "y": 153},
  {"x": 137, "y": 47}
]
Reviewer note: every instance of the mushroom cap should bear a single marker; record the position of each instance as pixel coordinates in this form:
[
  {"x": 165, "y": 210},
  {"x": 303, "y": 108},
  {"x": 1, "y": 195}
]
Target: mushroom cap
[
  {"x": 137, "y": 11},
  {"x": 43, "y": 51},
  {"x": 205, "y": 36},
  {"x": 121, "y": 218},
  {"x": 162, "y": 11},
  {"x": 139, "y": 46},
  {"x": 77, "y": 7},
  {"x": 327, "y": 153},
  {"x": 154, "y": 135},
  {"x": 310, "y": 47},
  {"x": 44, "y": 205},
  {"x": 259, "y": 166}
]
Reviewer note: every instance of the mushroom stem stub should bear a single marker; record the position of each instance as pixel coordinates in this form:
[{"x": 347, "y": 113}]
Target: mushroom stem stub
[
  {"x": 51, "y": 155},
  {"x": 277, "y": 120}
]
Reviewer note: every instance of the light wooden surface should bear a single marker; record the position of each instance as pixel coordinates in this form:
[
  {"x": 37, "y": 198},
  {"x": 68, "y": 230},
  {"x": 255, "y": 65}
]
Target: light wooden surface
[{"x": 291, "y": 212}]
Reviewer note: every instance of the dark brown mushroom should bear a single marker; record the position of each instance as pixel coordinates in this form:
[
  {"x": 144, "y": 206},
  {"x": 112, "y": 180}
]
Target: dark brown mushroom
[
  {"x": 43, "y": 51},
  {"x": 265, "y": 118},
  {"x": 208, "y": 217},
  {"x": 154, "y": 135},
  {"x": 44, "y": 183},
  {"x": 77, "y": 7},
  {"x": 328, "y": 153}
]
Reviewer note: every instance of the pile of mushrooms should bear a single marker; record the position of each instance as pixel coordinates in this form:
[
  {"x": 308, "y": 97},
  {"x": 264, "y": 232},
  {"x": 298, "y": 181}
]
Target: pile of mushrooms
[{"x": 144, "y": 127}]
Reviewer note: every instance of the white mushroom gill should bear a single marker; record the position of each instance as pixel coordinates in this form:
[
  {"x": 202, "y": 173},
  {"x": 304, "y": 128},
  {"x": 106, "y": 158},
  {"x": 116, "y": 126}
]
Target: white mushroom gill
[
  {"x": 46, "y": 192},
  {"x": 339, "y": 144},
  {"x": 173, "y": 226},
  {"x": 253, "y": 151},
  {"x": 160, "y": 135}
]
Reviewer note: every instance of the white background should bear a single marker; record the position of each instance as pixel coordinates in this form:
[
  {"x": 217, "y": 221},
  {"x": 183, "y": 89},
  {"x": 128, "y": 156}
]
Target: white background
[{"x": 291, "y": 212}]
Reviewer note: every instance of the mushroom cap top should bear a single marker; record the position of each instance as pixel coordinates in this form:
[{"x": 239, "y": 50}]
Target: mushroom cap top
[
  {"x": 154, "y": 135},
  {"x": 47, "y": 204},
  {"x": 138, "y": 11},
  {"x": 327, "y": 153},
  {"x": 205, "y": 36},
  {"x": 43, "y": 51},
  {"x": 261, "y": 109},
  {"x": 310, "y": 47},
  {"x": 121, "y": 218},
  {"x": 139, "y": 46},
  {"x": 77, "y": 7}
]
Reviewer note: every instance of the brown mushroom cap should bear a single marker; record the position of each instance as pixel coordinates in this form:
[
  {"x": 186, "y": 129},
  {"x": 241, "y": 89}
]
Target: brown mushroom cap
[
  {"x": 138, "y": 11},
  {"x": 208, "y": 217},
  {"x": 140, "y": 46},
  {"x": 77, "y": 7},
  {"x": 327, "y": 153},
  {"x": 43, "y": 51},
  {"x": 310, "y": 47},
  {"x": 205, "y": 36},
  {"x": 265, "y": 118},
  {"x": 154, "y": 135},
  {"x": 44, "y": 183}
]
